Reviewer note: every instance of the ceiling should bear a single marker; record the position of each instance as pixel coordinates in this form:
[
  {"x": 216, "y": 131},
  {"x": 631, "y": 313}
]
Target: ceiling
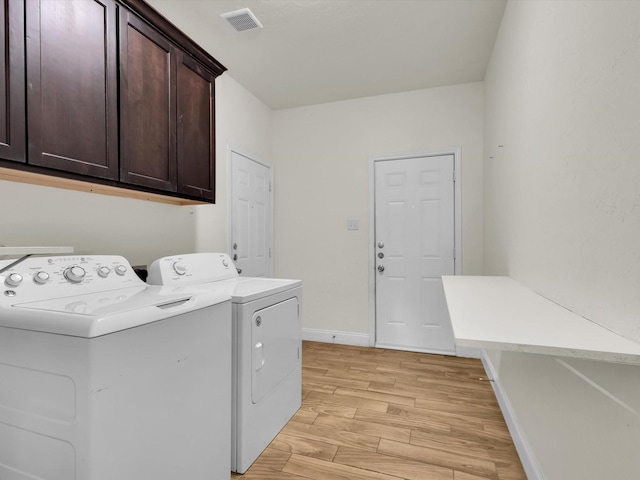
[{"x": 318, "y": 51}]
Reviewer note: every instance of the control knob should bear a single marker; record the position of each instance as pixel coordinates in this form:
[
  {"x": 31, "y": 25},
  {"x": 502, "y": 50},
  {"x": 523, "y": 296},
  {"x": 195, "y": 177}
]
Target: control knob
[
  {"x": 179, "y": 268},
  {"x": 41, "y": 278},
  {"x": 104, "y": 272},
  {"x": 75, "y": 274},
  {"x": 13, "y": 280},
  {"x": 121, "y": 270}
]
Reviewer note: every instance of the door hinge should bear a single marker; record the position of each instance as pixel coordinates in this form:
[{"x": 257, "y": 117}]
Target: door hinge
[
  {"x": 269, "y": 186},
  {"x": 269, "y": 252},
  {"x": 454, "y": 176},
  {"x": 454, "y": 253}
]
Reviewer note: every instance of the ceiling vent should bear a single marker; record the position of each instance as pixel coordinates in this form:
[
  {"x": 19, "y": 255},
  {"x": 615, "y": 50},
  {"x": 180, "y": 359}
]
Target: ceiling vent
[{"x": 242, "y": 19}]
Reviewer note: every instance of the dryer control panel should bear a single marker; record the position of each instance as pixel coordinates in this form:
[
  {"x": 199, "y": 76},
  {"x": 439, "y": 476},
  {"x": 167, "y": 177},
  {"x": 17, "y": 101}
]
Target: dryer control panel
[
  {"x": 191, "y": 269},
  {"x": 41, "y": 278}
]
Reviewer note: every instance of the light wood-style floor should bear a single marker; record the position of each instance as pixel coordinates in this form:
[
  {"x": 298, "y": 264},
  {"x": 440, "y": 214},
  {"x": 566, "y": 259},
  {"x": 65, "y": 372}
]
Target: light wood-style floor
[{"x": 385, "y": 414}]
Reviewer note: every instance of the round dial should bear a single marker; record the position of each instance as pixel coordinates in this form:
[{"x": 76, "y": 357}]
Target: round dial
[
  {"x": 75, "y": 274},
  {"x": 179, "y": 268},
  {"x": 121, "y": 270},
  {"x": 13, "y": 280},
  {"x": 41, "y": 278},
  {"x": 104, "y": 272}
]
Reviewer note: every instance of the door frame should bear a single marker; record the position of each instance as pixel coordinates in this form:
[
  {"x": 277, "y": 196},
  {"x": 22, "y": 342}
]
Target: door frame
[
  {"x": 372, "y": 227},
  {"x": 254, "y": 158}
]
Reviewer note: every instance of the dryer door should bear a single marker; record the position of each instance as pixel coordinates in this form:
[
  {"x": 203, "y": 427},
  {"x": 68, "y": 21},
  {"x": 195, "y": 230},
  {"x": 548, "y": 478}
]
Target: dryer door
[{"x": 275, "y": 336}]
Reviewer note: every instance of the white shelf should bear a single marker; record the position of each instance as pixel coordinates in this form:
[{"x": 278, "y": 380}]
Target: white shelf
[
  {"x": 500, "y": 313},
  {"x": 35, "y": 250}
]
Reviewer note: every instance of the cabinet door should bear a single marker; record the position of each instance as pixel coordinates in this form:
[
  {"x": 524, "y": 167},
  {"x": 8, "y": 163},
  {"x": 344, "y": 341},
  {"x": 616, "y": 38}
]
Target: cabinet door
[
  {"x": 12, "y": 84},
  {"x": 196, "y": 129},
  {"x": 147, "y": 106},
  {"x": 72, "y": 86}
]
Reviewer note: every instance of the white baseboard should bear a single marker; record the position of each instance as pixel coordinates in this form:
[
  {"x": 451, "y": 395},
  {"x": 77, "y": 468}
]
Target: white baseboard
[
  {"x": 362, "y": 340},
  {"x": 334, "y": 336},
  {"x": 527, "y": 458}
]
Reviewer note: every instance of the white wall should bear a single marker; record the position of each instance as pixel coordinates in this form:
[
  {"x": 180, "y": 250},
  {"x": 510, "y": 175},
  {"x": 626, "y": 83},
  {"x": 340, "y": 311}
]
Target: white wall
[
  {"x": 139, "y": 230},
  {"x": 562, "y": 203},
  {"x": 92, "y": 223},
  {"x": 562, "y": 215},
  {"x": 321, "y": 157}
]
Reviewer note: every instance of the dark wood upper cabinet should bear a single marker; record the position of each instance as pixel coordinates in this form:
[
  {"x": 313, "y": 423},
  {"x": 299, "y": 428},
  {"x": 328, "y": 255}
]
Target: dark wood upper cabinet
[
  {"x": 12, "y": 81},
  {"x": 196, "y": 129},
  {"x": 166, "y": 114},
  {"x": 147, "y": 106},
  {"x": 72, "y": 86},
  {"x": 106, "y": 91}
]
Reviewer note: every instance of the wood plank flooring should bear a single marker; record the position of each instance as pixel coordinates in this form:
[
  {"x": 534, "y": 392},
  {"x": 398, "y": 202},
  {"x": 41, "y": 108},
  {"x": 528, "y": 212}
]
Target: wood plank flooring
[{"x": 387, "y": 415}]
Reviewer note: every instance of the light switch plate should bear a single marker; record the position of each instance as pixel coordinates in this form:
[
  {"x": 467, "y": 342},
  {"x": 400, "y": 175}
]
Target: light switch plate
[{"x": 353, "y": 225}]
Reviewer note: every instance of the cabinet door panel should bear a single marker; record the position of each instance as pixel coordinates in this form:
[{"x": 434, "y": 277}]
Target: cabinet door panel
[
  {"x": 72, "y": 95},
  {"x": 12, "y": 83},
  {"x": 196, "y": 129},
  {"x": 147, "y": 106}
]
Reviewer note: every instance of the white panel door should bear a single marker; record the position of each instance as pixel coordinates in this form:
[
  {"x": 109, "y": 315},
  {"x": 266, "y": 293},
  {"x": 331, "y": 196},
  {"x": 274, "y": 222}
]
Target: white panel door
[
  {"x": 250, "y": 216},
  {"x": 415, "y": 243}
]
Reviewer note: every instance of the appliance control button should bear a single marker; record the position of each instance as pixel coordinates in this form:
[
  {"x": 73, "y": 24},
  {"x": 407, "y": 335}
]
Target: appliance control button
[
  {"x": 104, "y": 271},
  {"x": 75, "y": 274},
  {"x": 13, "y": 280},
  {"x": 120, "y": 270},
  {"x": 41, "y": 278},
  {"x": 225, "y": 263},
  {"x": 179, "y": 268}
]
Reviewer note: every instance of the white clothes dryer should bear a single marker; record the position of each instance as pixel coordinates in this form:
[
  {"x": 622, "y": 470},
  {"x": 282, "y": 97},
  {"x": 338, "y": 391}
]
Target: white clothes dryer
[
  {"x": 104, "y": 377},
  {"x": 266, "y": 378}
]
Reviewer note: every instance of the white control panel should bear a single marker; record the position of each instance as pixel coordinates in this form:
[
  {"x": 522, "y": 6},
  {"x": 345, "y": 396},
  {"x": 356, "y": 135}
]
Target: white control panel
[
  {"x": 41, "y": 278},
  {"x": 191, "y": 269}
]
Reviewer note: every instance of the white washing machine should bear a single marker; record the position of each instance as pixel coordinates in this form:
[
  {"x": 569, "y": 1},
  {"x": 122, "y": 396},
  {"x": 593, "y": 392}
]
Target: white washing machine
[
  {"x": 266, "y": 378},
  {"x": 103, "y": 377}
]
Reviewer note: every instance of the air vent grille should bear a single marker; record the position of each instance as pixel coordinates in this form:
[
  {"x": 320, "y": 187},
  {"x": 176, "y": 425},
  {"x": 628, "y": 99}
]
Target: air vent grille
[{"x": 242, "y": 20}]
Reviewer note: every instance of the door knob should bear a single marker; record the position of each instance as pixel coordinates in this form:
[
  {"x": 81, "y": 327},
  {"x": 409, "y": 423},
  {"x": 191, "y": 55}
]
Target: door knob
[
  {"x": 380, "y": 255},
  {"x": 380, "y": 244},
  {"x": 235, "y": 257},
  {"x": 381, "y": 268},
  {"x": 235, "y": 246}
]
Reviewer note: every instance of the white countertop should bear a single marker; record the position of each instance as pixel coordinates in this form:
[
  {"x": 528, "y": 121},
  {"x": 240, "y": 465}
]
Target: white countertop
[{"x": 500, "y": 313}]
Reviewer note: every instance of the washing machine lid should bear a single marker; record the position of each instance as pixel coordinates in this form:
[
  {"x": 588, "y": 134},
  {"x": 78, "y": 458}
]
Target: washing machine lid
[
  {"x": 101, "y": 313},
  {"x": 248, "y": 289}
]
